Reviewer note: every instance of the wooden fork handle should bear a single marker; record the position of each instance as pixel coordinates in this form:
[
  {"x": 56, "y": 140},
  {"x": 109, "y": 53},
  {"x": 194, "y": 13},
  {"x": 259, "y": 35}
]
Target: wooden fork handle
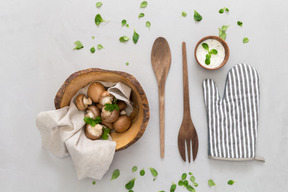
[
  {"x": 161, "y": 90},
  {"x": 185, "y": 81}
]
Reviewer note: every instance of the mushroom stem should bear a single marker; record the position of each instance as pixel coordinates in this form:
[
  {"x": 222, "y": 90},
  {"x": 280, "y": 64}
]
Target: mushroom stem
[{"x": 87, "y": 101}]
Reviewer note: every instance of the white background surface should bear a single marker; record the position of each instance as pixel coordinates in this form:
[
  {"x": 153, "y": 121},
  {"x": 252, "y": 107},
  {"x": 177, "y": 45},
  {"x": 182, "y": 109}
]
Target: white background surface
[{"x": 37, "y": 56}]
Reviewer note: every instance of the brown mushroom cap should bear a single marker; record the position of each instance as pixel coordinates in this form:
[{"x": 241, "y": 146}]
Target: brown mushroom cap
[
  {"x": 109, "y": 125},
  {"x": 106, "y": 97},
  {"x": 122, "y": 123},
  {"x": 94, "y": 110},
  {"x": 95, "y": 90},
  {"x": 121, "y": 104},
  {"x": 108, "y": 116},
  {"x": 93, "y": 133},
  {"x": 82, "y": 102}
]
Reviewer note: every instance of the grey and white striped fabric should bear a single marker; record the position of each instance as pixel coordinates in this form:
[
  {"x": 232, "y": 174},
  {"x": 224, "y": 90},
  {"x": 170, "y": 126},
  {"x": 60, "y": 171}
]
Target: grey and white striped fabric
[{"x": 233, "y": 119}]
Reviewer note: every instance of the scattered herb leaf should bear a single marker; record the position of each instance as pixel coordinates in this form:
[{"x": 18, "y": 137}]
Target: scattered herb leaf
[
  {"x": 105, "y": 134},
  {"x": 184, "y": 14},
  {"x": 141, "y": 15},
  {"x": 192, "y": 179},
  {"x": 99, "y": 47},
  {"x": 173, "y": 187},
  {"x": 185, "y": 182},
  {"x": 213, "y": 51},
  {"x": 99, "y": 4},
  {"x": 143, "y": 4},
  {"x": 221, "y": 11},
  {"x": 127, "y": 25},
  {"x": 98, "y": 20},
  {"x": 93, "y": 37},
  {"x": 130, "y": 184},
  {"x": 184, "y": 175},
  {"x": 123, "y": 22},
  {"x": 111, "y": 106},
  {"x": 211, "y": 182},
  {"x": 245, "y": 40},
  {"x": 148, "y": 24},
  {"x": 225, "y": 27},
  {"x": 161, "y": 191},
  {"x": 91, "y": 121},
  {"x": 134, "y": 169},
  {"x": 130, "y": 190},
  {"x": 123, "y": 39},
  {"x": 231, "y": 182},
  {"x": 190, "y": 173},
  {"x": 94, "y": 182},
  {"x": 240, "y": 23},
  {"x": 78, "y": 45},
  {"x": 207, "y": 60},
  {"x": 190, "y": 188},
  {"x": 195, "y": 184},
  {"x": 180, "y": 183},
  {"x": 153, "y": 172},
  {"x": 135, "y": 37},
  {"x": 127, "y": 63},
  {"x": 92, "y": 50},
  {"x": 205, "y": 46},
  {"x": 197, "y": 16},
  {"x": 115, "y": 174},
  {"x": 222, "y": 31},
  {"x": 154, "y": 179},
  {"x": 226, "y": 9},
  {"x": 142, "y": 172}
]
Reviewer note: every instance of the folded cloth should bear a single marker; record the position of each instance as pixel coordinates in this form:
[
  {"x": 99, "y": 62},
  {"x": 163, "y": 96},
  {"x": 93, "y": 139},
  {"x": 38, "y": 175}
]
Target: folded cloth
[
  {"x": 62, "y": 134},
  {"x": 233, "y": 119}
]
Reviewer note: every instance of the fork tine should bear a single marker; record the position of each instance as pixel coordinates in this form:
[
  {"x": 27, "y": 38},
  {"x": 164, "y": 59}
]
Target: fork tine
[
  {"x": 195, "y": 144},
  {"x": 188, "y": 149},
  {"x": 181, "y": 147}
]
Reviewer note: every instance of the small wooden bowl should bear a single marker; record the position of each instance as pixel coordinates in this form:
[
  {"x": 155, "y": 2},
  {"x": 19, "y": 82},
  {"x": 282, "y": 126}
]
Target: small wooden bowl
[
  {"x": 140, "y": 115},
  {"x": 227, "y": 52}
]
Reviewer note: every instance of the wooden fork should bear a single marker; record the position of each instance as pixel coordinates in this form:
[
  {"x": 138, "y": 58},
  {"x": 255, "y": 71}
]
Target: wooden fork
[{"x": 187, "y": 130}]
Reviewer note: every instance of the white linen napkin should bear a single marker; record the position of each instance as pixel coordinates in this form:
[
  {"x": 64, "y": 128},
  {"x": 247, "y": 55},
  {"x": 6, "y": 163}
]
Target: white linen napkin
[{"x": 62, "y": 134}]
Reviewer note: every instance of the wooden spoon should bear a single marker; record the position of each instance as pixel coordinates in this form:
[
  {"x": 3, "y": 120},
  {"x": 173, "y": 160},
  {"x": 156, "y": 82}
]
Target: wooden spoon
[{"x": 161, "y": 61}]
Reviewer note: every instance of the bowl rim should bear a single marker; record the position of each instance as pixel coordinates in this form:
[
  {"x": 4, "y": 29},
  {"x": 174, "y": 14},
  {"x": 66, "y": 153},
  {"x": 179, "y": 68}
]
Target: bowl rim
[
  {"x": 129, "y": 77},
  {"x": 225, "y": 45}
]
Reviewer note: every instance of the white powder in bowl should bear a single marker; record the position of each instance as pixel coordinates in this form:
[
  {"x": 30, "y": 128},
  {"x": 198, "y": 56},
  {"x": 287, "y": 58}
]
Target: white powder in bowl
[{"x": 215, "y": 60}]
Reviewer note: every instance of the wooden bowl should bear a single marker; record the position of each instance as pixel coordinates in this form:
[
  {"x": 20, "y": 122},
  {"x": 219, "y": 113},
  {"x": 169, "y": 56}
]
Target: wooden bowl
[
  {"x": 140, "y": 115},
  {"x": 227, "y": 52}
]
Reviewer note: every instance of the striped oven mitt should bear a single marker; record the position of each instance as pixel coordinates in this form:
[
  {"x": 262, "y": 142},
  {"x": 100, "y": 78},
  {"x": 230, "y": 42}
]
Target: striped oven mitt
[{"x": 233, "y": 119}]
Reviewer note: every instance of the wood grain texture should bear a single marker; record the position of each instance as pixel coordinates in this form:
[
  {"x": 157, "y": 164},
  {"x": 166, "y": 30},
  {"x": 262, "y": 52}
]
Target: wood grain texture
[
  {"x": 227, "y": 52},
  {"x": 187, "y": 132},
  {"x": 161, "y": 61},
  {"x": 140, "y": 115}
]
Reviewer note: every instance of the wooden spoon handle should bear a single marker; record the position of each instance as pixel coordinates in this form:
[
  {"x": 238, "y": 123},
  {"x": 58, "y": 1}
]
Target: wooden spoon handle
[
  {"x": 161, "y": 90},
  {"x": 185, "y": 81}
]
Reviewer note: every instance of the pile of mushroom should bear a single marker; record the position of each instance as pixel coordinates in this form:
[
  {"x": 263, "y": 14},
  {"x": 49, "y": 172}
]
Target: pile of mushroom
[{"x": 95, "y": 106}]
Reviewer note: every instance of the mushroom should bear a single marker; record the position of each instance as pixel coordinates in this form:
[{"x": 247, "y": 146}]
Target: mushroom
[
  {"x": 121, "y": 104},
  {"x": 122, "y": 123},
  {"x": 82, "y": 102},
  {"x": 123, "y": 112},
  {"x": 93, "y": 133},
  {"x": 106, "y": 97},
  {"x": 109, "y": 125},
  {"x": 95, "y": 90},
  {"x": 108, "y": 116},
  {"x": 92, "y": 112}
]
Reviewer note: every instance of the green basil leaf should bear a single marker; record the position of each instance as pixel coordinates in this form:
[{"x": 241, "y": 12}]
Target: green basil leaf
[
  {"x": 226, "y": 9},
  {"x": 197, "y": 16},
  {"x": 190, "y": 188},
  {"x": 127, "y": 63},
  {"x": 195, "y": 184},
  {"x": 142, "y": 172},
  {"x": 184, "y": 14},
  {"x": 225, "y": 27},
  {"x": 192, "y": 179},
  {"x": 143, "y": 4},
  {"x": 99, "y": 47},
  {"x": 185, "y": 183},
  {"x": 221, "y": 11},
  {"x": 130, "y": 190},
  {"x": 180, "y": 183},
  {"x": 207, "y": 60},
  {"x": 134, "y": 169},
  {"x": 222, "y": 34},
  {"x": 130, "y": 184},
  {"x": 91, "y": 121},
  {"x": 240, "y": 23},
  {"x": 99, "y": 4},
  {"x": 190, "y": 173},
  {"x": 148, "y": 24},
  {"x": 105, "y": 134},
  {"x": 94, "y": 182},
  {"x": 205, "y": 46},
  {"x": 245, "y": 40},
  {"x": 211, "y": 182},
  {"x": 135, "y": 37},
  {"x": 123, "y": 22},
  {"x": 92, "y": 50},
  {"x": 153, "y": 172},
  {"x": 231, "y": 182},
  {"x": 123, "y": 39},
  {"x": 173, "y": 187},
  {"x": 115, "y": 174},
  {"x": 141, "y": 15},
  {"x": 127, "y": 25},
  {"x": 213, "y": 51},
  {"x": 184, "y": 175},
  {"x": 78, "y": 45},
  {"x": 98, "y": 20}
]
